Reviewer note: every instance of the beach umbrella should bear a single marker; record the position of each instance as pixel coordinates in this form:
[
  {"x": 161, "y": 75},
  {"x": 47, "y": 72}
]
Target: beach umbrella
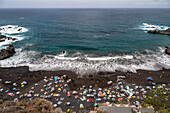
[
  {"x": 113, "y": 99},
  {"x": 59, "y": 89},
  {"x": 59, "y": 102},
  {"x": 36, "y": 84},
  {"x": 148, "y": 87},
  {"x": 24, "y": 82},
  {"x": 88, "y": 95},
  {"x": 94, "y": 93},
  {"x": 90, "y": 87},
  {"x": 76, "y": 96},
  {"x": 68, "y": 95},
  {"x": 42, "y": 90},
  {"x": 67, "y": 103},
  {"x": 81, "y": 106},
  {"x": 120, "y": 99},
  {"x": 100, "y": 92},
  {"x": 156, "y": 95},
  {"x": 8, "y": 82},
  {"x": 14, "y": 84},
  {"x": 90, "y": 99},
  {"x": 55, "y": 105},
  {"x": 83, "y": 98},
  {"x": 100, "y": 89},
  {"x": 90, "y": 90},
  {"x": 69, "y": 111},
  {"x": 83, "y": 86},
  {"x": 22, "y": 85},
  {"x": 150, "y": 78},
  {"x": 108, "y": 92},
  {"x": 95, "y": 105},
  {"x": 1, "y": 89},
  {"x": 84, "y": 92},
  {"x": 98, "y": 99},
  {"x": 119, "y": 82},
  {"x": 21, "y": 96},
  {"x": 74, "y": 92},
  {"x": 113, "y": 95},
  {"x": 18, "y": 93},
  {"x": 109, "y": 82},
  {"x": 16, "y": 100},
  {"x": 55, "y": 78},
  {"x": 91, "y": 95},
  {"x": 66, "y": 85},
  {"x": 104, "y": 98},
  {"x": 140, "y": 86},
  {"x": 29, "y": 95},
  {"x": 127, "y": 87},
  {"x": 102, "y": 95}
]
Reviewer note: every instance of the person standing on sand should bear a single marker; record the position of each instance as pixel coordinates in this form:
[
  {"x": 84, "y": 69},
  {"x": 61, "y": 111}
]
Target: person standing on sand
[{"x": 137, "y": 104}]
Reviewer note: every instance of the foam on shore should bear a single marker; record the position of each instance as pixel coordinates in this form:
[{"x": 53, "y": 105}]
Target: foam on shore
[{"x": 88, "y": 65}]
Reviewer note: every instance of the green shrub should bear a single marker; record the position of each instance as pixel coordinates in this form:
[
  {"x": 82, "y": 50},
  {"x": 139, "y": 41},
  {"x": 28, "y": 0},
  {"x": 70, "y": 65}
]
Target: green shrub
[{"x": 158, "y": 98}]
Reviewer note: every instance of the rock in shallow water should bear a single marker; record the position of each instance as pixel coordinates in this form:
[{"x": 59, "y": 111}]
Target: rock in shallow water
[
  {"x": 3, "y": 38},
  {"x": 166, "y": 32},
  {"x": 6, "y": 53},
  {"x": 167, "y": 50}
]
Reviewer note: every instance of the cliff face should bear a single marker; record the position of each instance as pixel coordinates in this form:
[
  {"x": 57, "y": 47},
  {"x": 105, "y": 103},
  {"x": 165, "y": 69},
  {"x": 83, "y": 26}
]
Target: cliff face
[{"x": 6, "y": 53}]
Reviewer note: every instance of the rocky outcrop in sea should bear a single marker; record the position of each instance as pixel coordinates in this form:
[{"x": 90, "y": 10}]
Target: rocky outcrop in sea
[
  {"x": 6, "y": 53},
  {"x": 167, "y": 50},
  {"x": 3, "y": 38},
  {"x": 166, "y": 32}
]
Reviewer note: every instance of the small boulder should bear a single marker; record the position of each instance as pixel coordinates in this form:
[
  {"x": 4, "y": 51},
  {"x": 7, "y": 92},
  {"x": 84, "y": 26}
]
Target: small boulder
[
  {"x": 166, "y": 32},
  {"x": 167, "y": 50},
  {"x": 6, "y": 53}
]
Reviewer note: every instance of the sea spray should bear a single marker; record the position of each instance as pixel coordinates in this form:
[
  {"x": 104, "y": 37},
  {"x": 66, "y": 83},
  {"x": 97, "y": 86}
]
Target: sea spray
[{"x": 84, "y": 66}]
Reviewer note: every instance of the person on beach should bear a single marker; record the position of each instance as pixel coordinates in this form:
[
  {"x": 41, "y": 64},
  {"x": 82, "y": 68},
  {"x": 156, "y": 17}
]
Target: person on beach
[{"x": 137, "y": 104}]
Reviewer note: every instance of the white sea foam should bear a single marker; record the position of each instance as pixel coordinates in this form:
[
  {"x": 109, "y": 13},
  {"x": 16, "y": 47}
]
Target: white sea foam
[
  {"x": 147, "y": 27},
  {"x": 12, "y": 29},
  {"x": 87, "y": 65},
  {"x": 10, "y": 41},
  {"x": 21, "y": 18},
  {"x": 8, "y": 31}
]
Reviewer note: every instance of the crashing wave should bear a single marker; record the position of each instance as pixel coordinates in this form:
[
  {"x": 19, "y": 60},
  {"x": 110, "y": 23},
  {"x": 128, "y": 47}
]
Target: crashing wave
[
  {"x": 9, "y": 41},
  {"x": 10, "y": 32},
  {"x": 12, "y": 29},
  {"x": 88, "y": 65},
  {"x": 147, "y": 27}
]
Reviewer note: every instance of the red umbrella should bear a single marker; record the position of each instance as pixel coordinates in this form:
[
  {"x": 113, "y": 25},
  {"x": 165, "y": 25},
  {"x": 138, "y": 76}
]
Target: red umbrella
[
  {"x": 120, "y": 99},
  {"x": 90, "y": 99}
]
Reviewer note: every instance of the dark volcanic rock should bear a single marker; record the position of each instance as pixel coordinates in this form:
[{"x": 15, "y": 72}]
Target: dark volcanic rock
[
  {"x": 6, "y": 53},
  {"x": 3, "y": 38},
  {"x": 166, "y": 32},
  {"x": 167, "y": 50}
]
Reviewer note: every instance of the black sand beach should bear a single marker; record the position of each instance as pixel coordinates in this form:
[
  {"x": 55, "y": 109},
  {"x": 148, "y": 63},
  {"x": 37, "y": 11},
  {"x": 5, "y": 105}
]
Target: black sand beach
[{"x": 19, "y": 74}]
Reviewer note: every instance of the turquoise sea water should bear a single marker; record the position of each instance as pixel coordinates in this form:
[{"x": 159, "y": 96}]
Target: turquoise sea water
[{"x": 112, "y": 36}]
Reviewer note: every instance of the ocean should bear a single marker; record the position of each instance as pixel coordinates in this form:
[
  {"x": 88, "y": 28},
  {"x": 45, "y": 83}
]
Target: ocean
[{"x": 93, "y": 39}]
